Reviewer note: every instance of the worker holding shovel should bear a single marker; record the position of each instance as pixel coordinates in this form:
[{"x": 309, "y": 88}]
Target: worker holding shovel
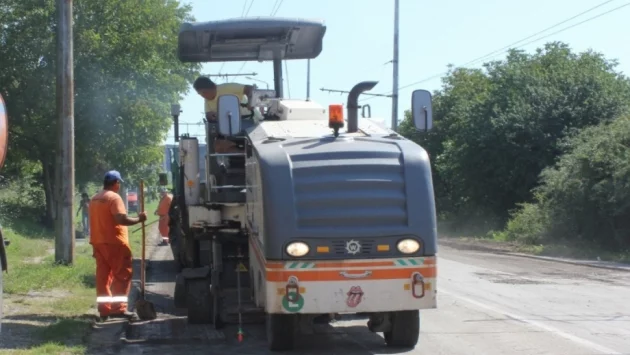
[{"x": 110, "y": 243}]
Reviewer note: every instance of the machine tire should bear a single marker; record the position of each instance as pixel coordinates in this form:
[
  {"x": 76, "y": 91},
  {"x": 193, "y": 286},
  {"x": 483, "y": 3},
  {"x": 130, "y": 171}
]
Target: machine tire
[
  {"x": 199, "y": 301},
  {"x": 179, "y": 296},
  {"x": 405, "y": 329},
  {"x": 281, "y": 331}
]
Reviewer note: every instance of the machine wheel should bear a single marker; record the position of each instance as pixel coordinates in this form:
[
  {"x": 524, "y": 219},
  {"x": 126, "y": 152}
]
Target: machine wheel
[
  {"x": 281, "y": 331},
  {"x": 179, "y": 296},
  {"x": 199, "y": 301},
  {"x": 405, "y": 329}
]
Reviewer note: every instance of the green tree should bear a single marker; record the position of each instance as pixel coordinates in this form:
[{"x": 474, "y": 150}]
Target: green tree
[
  {"x": 463, "y": 90},
  {"x": 585, "y": 196},
  {"x": 126, "y": 76},
  {"x": 497, "y": 129}
]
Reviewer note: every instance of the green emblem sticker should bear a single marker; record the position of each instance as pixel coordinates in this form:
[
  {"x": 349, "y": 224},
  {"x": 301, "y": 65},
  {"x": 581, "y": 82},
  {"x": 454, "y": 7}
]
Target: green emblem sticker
[{"x": 293, "y": 306}]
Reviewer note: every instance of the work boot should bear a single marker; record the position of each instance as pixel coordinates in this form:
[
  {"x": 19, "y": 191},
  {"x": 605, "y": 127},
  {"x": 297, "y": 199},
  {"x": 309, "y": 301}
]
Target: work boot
[{"x": 132, "y": 316}]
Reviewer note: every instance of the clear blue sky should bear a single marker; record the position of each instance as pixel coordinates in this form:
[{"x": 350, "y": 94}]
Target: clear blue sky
[{"x": 433, "y": 34}]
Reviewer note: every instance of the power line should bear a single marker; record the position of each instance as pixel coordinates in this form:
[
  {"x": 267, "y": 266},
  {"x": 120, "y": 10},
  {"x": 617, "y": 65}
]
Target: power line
[
  {"x": 274, "y": 6},
  {"x": 539, "y": 32},
  {"x": 279, "y": 2},
  {"x": 273, "y": 13},
  {"x": 243, "y": 14},
  {"x": 521, "y": 46},
  {"x": 249, "y": 8}
]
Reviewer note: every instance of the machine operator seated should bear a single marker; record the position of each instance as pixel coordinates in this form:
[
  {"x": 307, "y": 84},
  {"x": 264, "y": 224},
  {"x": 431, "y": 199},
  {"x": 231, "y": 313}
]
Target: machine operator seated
[{"x": 210, "y": 91}]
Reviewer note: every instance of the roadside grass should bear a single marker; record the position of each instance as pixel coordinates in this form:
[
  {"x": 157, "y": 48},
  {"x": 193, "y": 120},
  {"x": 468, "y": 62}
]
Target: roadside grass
[
  {"x": 560, "y": 249},
  {"x": 50, "y": 308},
  {"x": 47, "y": 306}
]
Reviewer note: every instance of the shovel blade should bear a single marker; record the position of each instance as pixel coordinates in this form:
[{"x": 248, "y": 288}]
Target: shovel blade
[{"x": 145, "y": 310}]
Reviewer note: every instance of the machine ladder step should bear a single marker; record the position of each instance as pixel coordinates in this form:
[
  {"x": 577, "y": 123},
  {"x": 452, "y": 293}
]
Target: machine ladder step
[{"x": 250, "y": 313}]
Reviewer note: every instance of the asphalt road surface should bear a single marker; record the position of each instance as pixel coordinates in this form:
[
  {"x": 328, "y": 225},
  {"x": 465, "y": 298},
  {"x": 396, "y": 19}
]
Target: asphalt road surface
[{"x": 488, "y": 304}]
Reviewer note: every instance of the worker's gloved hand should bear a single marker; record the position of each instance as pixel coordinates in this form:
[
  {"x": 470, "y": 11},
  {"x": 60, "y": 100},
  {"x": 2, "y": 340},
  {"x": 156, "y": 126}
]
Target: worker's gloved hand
[{"x": 142, "y": 216}]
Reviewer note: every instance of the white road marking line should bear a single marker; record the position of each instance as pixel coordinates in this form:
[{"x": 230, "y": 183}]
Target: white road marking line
[{"x": 576, "y": 339}]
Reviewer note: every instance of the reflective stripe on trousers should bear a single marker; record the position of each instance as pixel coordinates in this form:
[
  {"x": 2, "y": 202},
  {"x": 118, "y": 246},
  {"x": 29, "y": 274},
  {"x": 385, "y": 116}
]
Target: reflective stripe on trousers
[{"x": 111, "y": 299}]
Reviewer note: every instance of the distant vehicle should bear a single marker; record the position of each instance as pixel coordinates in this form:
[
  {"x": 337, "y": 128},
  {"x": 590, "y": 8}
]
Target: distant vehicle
[{"x": 132, "y": 201}]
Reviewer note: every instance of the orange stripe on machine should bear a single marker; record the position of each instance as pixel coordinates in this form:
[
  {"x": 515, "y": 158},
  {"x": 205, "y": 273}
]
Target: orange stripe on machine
[{"x": 340, "y": 275}]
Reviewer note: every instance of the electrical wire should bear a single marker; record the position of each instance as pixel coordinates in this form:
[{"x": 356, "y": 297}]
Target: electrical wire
[
  {"x": 380, "y": 68},
  {"x": 537, "y": 33},
  {"x": 244, "y": 7},
  {"x": 274, "y": 11},
  {"x": 244, "y": 13},
  {"x": 274, "y": 6},
  {"x": 501, "y": 51},
  {"x": 279, "y": 2},
  {"x": 249, "y": 8}
]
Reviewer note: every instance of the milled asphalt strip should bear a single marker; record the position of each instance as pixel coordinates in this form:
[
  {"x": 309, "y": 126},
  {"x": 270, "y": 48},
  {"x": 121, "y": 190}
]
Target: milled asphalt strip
[{"x": 573, "y": 338}]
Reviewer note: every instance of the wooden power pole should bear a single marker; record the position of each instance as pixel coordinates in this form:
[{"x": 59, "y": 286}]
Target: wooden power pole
[{"x": 64, "y": 242}]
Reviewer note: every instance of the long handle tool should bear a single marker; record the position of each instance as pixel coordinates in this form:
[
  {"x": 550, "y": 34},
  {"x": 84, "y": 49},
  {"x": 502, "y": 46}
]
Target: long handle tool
[{"x": 144, "y": 308}]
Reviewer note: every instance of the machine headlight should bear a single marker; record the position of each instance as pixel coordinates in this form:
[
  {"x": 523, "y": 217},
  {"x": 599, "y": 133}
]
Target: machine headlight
[
  {"x": 408, "y": 246},
  {"x": 297, "y": 249}
]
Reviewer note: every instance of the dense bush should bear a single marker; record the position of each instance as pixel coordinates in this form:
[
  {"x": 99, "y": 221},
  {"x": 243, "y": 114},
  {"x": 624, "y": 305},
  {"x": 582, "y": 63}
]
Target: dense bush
[
  {"x": 496, "y": 129},
  {"x": 585, "y": 197}
]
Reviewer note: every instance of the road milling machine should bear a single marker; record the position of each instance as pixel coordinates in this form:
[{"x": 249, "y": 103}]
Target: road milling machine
[{"x": 315, "y": 216}]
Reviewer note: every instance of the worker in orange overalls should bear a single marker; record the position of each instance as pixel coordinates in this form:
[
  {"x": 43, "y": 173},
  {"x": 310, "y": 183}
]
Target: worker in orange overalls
[
  {"x": 110, "y": 244},
  {"x": 162, "y": 211}
]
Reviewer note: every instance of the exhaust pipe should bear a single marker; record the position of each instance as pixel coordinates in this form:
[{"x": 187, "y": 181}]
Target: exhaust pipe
[{"x": 353, "y": 103}]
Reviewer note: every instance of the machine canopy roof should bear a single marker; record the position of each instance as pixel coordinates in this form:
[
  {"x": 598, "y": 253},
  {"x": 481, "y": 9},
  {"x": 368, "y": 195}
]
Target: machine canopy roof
[{"x": 251, "y": 39}]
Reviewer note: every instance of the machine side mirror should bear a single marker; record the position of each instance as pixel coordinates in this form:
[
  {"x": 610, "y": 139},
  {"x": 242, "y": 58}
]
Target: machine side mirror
[
  {"x": 229, "y": 115},
  {"x": 422, "y": 110}
]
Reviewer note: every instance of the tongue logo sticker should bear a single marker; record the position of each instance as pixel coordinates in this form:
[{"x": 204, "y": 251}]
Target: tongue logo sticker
[{"x": 354, "y": 296}]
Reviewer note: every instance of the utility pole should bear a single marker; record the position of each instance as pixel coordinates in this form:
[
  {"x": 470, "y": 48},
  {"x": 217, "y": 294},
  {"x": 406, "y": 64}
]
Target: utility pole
[
  {"x": 308, "y": 80},
  {"x": 64, "y": 243},
  {"x": 395, "y": 71}
]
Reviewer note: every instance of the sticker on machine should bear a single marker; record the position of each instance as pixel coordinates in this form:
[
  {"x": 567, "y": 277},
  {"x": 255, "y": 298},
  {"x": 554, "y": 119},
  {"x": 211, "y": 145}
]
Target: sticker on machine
[
  {"x": 355, "y": 295},
  {"x": 295, "y": 304}
]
